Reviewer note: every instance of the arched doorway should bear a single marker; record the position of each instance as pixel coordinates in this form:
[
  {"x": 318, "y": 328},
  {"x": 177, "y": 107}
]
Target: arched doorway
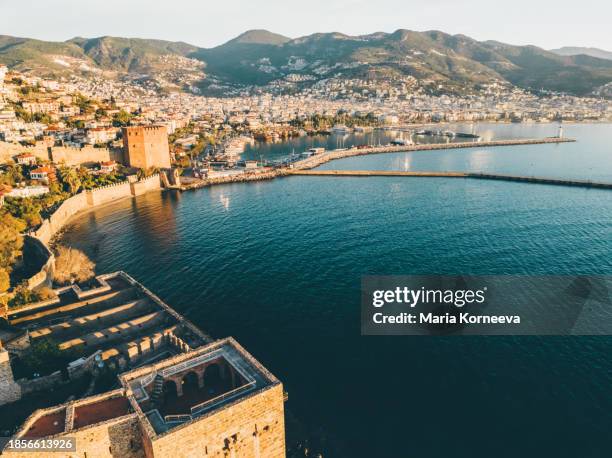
[
  {"x": 190, "y": 383},
  {"x": 212, "y": 378},
  {"x": 169, "y": 390}
]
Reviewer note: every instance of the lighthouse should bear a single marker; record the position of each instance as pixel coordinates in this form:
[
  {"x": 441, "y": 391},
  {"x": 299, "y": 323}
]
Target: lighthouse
[{"x": 560, "y": 131}]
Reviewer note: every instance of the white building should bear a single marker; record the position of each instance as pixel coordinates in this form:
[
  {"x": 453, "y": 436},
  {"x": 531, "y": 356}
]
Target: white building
[{"x": 28, "y": 191}]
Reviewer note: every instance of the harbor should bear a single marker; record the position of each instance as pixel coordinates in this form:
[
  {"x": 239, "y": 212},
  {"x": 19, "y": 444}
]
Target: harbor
[{"x": 318, "y": 156}]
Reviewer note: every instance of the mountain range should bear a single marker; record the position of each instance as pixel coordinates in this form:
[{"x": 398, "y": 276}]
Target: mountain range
[
  {"x": 259, "y": 57},
  {"x": 575, "y": 50}
]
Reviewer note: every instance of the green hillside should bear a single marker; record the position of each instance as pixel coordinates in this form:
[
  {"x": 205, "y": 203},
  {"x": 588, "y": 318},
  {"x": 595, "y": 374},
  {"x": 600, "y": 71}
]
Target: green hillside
[{"x": 258, "y": 57}]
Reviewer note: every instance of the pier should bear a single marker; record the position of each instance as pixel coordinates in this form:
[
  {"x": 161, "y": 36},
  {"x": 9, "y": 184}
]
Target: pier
[
  {"x": 268, "y": 173},
  {"x": 472, "y": 175},
  {"x": 319, "y": 159}
]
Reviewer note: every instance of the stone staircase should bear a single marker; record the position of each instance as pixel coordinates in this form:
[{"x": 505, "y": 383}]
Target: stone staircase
[{"x": 158, "y": 388}]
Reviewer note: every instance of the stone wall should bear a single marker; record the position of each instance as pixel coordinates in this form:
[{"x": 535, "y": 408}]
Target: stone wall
[
  {"x": 83, "y": 201},
  {"x": 253, "y": 427},
  {"x": 145, "y": 185},
  {"x": 106, "y": 194},
  {"x": 118, "y": 437},
  {"x": 9, "y": 150},
  {"x": 37, "y": 251},
  {"x": 64, "y": 212},
  {"x": 86, "y": 155},
  {"x": 62, "y": 154},
  {"x": 41, "y": 383},
  {"x": 9, "y": 390}
]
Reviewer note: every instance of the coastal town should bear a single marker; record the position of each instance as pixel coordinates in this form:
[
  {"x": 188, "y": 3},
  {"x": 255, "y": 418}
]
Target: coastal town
[{"x": 137, "y": 374}]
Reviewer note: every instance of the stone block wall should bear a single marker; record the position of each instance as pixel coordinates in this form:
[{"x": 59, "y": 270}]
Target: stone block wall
[
  {"x": 38, "y": 252},
  {"x": 251, "y": 428},
  {"x": 41, "y": 383},
  {"x": 114, "y": 438},
  {"x": 151, "y": 183},
  {"x": 77, "y": 156},
  {"x": 100, "y": 196},
  {"x": 9, "y": 390}
]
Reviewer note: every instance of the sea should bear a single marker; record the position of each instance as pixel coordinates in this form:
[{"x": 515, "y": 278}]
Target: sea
[{"x": 278, "y": 265}]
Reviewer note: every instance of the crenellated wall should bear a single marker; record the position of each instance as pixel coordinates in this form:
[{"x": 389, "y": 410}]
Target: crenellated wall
[
  {"x": 62, "y": 154},
  {"x": 86, "y": 155},
  {"x": 106, "y": 194},
  {"x": 80, "y": 202},
  {"x": 146, "y": 184}
]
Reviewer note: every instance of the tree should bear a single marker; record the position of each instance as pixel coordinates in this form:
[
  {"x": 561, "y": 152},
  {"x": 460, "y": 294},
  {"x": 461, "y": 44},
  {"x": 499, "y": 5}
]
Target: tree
[
  {"x": 12, "y": 175},
  {"x": 26, "y": 209},
  {"x": 5, "y": 280},
  {"x": 122, "y": 118},
  {"x": 72, "y": 266},
  {"x": 70, "y": 179},
  {"x": 11, "y": 241}
]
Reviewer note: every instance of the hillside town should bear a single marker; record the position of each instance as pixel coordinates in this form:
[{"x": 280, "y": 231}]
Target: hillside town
[{"x": 79, "y": 111}]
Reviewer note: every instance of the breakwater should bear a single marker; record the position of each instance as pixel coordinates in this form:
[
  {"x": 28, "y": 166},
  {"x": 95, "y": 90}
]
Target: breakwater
[
  {"x": 481, "y": 176},
  {"x": 319, "y": 159},
  {"x": 238, "y": 178}
]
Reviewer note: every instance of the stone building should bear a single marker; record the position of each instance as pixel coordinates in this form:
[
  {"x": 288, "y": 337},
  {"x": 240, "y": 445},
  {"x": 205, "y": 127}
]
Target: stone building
[
  {"x": 181, "y": 394},
  {"x": 215, "y": 401},
  {"x": 146, "y": 147}
]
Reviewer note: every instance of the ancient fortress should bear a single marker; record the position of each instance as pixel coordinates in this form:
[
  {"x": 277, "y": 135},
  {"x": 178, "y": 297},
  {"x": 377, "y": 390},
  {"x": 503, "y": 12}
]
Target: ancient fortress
[
  {"x": 181, "y": 394},
  {"x": 146, "y": 147}
]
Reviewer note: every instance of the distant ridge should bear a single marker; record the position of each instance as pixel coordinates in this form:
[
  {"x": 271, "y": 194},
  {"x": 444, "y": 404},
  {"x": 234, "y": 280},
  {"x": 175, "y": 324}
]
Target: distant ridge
[
  {"x": 259, "y": 37},
  {"x": 574, "y": 51},
  {"x": 453, "y": 64}
]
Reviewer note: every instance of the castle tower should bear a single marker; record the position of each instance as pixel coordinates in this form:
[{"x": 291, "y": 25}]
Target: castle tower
[
  {"x": 146, "y": 147},
  {"x": 9, "y": 390}
]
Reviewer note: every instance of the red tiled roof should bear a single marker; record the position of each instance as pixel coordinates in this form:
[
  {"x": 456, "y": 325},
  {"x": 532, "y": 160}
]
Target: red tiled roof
[{"x": 44, "y": 169}]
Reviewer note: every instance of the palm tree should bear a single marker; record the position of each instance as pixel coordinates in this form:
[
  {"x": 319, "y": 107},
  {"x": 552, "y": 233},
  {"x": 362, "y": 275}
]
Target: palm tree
[{"x": 70, "y": 179}]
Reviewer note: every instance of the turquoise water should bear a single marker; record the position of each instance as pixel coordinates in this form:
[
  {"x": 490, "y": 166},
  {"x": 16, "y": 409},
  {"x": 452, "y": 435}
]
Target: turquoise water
[{"x": 278, "y": 265}]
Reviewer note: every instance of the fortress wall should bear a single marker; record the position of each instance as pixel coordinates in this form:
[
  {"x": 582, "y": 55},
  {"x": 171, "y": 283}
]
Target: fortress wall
[
  {"x": 147, "y": 184},
  {"x": 107, "y": 194},
  {"x": 78, "y": 156},
  {"x": 9, "y": 150},
  {"x": 9, "y": 390},
  {"x": 41, "y": 383},
  {"x": 254, "y": 427},
  {"x": 65, "y": 211},
  {"x": 75, "y": 204},
  {"x": 35, "y": 248},
  {"x": 118, "y": 437}
]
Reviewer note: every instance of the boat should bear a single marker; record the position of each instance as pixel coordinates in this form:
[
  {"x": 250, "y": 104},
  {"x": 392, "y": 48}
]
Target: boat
[
  {"x": 466, "y": 135},
  {"x": 340, "y": 129}
]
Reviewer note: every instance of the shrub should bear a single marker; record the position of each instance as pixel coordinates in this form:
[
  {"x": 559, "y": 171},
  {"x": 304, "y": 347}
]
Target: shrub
[
  {"x": 23, "y": 295},
  {"x": 5, "y": 280},
  {"x": 72, "y": 266}
]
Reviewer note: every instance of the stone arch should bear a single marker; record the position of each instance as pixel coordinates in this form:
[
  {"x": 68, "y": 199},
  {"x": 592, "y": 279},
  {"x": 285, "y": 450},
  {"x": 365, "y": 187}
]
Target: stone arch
[
  {"x": 212, "y": 376},
  {"x": 170, "y": 389},
  {"x": 190, "y": 381}
]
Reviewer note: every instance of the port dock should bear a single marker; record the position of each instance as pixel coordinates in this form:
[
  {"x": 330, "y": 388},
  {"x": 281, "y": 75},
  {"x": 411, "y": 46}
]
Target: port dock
[
  {"x": 315, "y": 160},
  {"x": 472, "y": 175},
  {"x": 319, "y": 159}
]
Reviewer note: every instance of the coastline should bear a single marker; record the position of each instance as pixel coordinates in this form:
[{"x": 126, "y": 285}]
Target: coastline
[
  {"x": 85, "y": 201},
  {"x": 320, "y": 159}
]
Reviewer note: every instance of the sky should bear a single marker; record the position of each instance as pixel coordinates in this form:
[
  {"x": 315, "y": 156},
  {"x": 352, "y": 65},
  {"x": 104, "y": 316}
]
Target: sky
[{"x": 545, "y": 23}]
